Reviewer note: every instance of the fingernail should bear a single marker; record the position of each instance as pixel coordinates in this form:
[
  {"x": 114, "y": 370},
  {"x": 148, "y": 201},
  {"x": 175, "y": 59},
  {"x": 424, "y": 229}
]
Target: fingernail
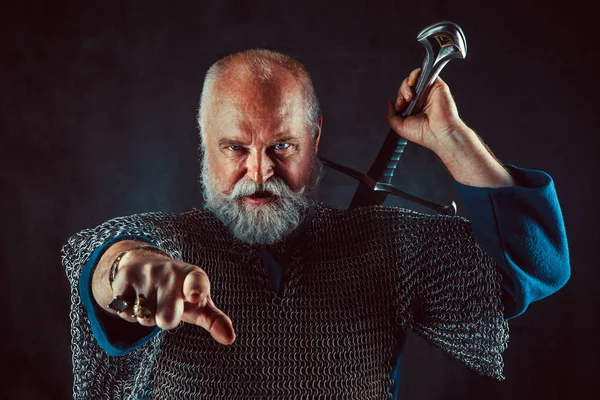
[{"x": 195, "y": 295}]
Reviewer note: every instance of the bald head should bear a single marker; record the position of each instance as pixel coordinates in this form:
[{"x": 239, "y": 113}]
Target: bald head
[
  {"x": 260, "y": 128},
  {"x": 262, "y": 83}
]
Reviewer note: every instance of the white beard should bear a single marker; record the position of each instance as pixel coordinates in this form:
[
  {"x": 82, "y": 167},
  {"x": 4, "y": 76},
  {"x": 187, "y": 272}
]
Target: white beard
[{"x": 267, "y": 223}]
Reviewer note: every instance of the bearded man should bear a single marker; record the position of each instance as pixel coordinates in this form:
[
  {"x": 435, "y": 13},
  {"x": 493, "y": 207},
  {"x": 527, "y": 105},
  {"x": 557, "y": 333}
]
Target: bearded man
[{"x": 267, "y": 294}]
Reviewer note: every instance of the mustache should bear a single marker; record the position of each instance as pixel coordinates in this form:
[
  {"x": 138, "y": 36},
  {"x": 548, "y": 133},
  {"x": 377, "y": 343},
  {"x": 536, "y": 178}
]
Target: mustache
[{"x": 274, "y": 185}]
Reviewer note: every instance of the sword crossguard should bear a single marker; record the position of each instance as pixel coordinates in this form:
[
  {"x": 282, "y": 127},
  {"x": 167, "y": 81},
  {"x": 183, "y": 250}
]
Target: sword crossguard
[{"x": 449, "y": 209}]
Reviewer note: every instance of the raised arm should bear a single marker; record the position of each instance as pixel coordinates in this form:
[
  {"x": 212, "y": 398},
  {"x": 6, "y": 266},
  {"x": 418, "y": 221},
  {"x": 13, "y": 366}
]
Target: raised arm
[{"x": 515, "y": 212}]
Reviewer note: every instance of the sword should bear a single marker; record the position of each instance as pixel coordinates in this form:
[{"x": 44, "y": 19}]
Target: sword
[{"x": 443, "y": 42}]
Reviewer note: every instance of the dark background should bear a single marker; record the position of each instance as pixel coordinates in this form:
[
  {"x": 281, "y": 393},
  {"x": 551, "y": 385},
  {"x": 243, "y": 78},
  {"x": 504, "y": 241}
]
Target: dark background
[{"x": 98, "y": 111}]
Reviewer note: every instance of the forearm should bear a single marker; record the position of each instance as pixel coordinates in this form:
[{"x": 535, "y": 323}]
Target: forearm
[
  {"x": 81, "y": 256},
  {"x": 471, "y": 162},
  {"x": 522, "y": 229}
]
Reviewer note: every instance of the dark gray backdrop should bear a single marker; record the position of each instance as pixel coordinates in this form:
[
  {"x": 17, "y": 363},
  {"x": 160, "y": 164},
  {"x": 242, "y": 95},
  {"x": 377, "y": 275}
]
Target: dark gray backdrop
[{"x": 98, "y": 120}]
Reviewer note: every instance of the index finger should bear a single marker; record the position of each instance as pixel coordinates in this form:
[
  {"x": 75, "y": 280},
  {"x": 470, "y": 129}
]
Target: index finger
[
  {"x": 212, "y": 319},
  {"x": 196, "y": 286},
  {"x": 413, "y": 77}
]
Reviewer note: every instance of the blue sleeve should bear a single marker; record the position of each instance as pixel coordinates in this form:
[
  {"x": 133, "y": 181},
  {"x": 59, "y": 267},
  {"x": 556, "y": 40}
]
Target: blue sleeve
[
  {"x": 521, "y": 227},
  {"x": 114, "y": 335}
]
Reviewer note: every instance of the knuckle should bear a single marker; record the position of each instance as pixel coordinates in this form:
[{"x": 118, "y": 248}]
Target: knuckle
[
  {"x": 444, "y": 90},
  {"x": 157, "y": 272},
  {"x": 441, "y": 84},
  {"x": 166, "y": 320},
  {"x": 166, "y": 310},
  {"x": 148, "y": 264},
  {"x": 128, "y": 272},
  {"x": 167, "y": 280}
]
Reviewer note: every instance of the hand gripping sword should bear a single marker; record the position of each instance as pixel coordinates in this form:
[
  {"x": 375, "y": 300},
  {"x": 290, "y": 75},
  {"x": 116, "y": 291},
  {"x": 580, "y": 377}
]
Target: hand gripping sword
[{"x": 443, "y": 42}]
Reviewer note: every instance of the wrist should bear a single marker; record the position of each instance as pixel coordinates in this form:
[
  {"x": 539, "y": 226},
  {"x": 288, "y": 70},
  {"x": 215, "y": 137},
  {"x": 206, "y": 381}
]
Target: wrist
[
  {"x": 115, "y": 264},
  {"x": 460, "y": 139},
  {"x": 470, "y": 161},
  {"x": 101, "y": 291}
]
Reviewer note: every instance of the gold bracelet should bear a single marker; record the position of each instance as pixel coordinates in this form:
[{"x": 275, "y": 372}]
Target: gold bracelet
[{"x": 115, "y": 264}]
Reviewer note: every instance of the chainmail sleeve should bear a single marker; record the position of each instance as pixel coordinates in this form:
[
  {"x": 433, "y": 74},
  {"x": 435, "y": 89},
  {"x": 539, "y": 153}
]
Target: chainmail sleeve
[
  {"x": 449, "y": 293},
  {"x": 96, "y": 374}
]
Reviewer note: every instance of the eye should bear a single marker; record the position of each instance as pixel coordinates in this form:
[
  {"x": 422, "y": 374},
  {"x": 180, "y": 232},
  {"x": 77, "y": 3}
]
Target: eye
[
  {"x": 282, "y": 146},
  {"x": 235, "y": 148}
]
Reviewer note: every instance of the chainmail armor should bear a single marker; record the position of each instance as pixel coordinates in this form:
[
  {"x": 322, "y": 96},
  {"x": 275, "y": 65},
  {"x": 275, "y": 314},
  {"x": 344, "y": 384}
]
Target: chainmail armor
[{"x": 354, "y": 279}]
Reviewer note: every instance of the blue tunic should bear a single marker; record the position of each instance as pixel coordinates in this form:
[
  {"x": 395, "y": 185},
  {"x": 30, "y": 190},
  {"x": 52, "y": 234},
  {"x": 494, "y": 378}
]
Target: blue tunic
[{"x": 520, "y": 227}]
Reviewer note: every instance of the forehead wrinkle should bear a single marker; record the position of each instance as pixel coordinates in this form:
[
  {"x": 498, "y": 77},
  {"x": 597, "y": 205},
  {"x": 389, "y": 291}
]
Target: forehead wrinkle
[
  {"x": 256, "y": 108},
  {"x": 244, "y": 84}
]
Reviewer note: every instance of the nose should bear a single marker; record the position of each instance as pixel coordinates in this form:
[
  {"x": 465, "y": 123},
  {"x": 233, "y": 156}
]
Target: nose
[{"x": 259, "y": 166}]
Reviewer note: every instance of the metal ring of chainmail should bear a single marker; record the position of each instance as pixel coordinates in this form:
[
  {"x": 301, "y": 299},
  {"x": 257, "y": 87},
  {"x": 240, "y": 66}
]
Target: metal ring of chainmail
[{"x": 355, "y": 278}]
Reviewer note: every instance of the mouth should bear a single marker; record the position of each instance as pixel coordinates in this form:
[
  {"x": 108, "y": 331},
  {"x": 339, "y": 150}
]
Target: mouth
[{"x": 258, "y": 198}]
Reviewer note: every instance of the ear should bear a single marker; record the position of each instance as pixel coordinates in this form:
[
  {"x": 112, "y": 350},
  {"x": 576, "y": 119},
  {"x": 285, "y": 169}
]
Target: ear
[{"x": 318, "y": 135}]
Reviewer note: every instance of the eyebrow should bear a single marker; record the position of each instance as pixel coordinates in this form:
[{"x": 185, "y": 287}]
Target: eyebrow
[
  {"x": 285, "y": 138},
  {"x": 241, "y": 142},
  {"x": 230, "y": 142}
]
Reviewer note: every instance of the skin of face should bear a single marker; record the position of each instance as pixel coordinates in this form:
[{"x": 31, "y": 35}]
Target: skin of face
[{"x": 259, "y": 131}]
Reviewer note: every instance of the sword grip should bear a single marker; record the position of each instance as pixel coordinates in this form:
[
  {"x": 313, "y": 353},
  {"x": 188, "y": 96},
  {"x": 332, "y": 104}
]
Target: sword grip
[
  {"x": 443, "y": 41},
  {"x": 382, "y": 170},
  {"x": 385, "y": 164}
]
